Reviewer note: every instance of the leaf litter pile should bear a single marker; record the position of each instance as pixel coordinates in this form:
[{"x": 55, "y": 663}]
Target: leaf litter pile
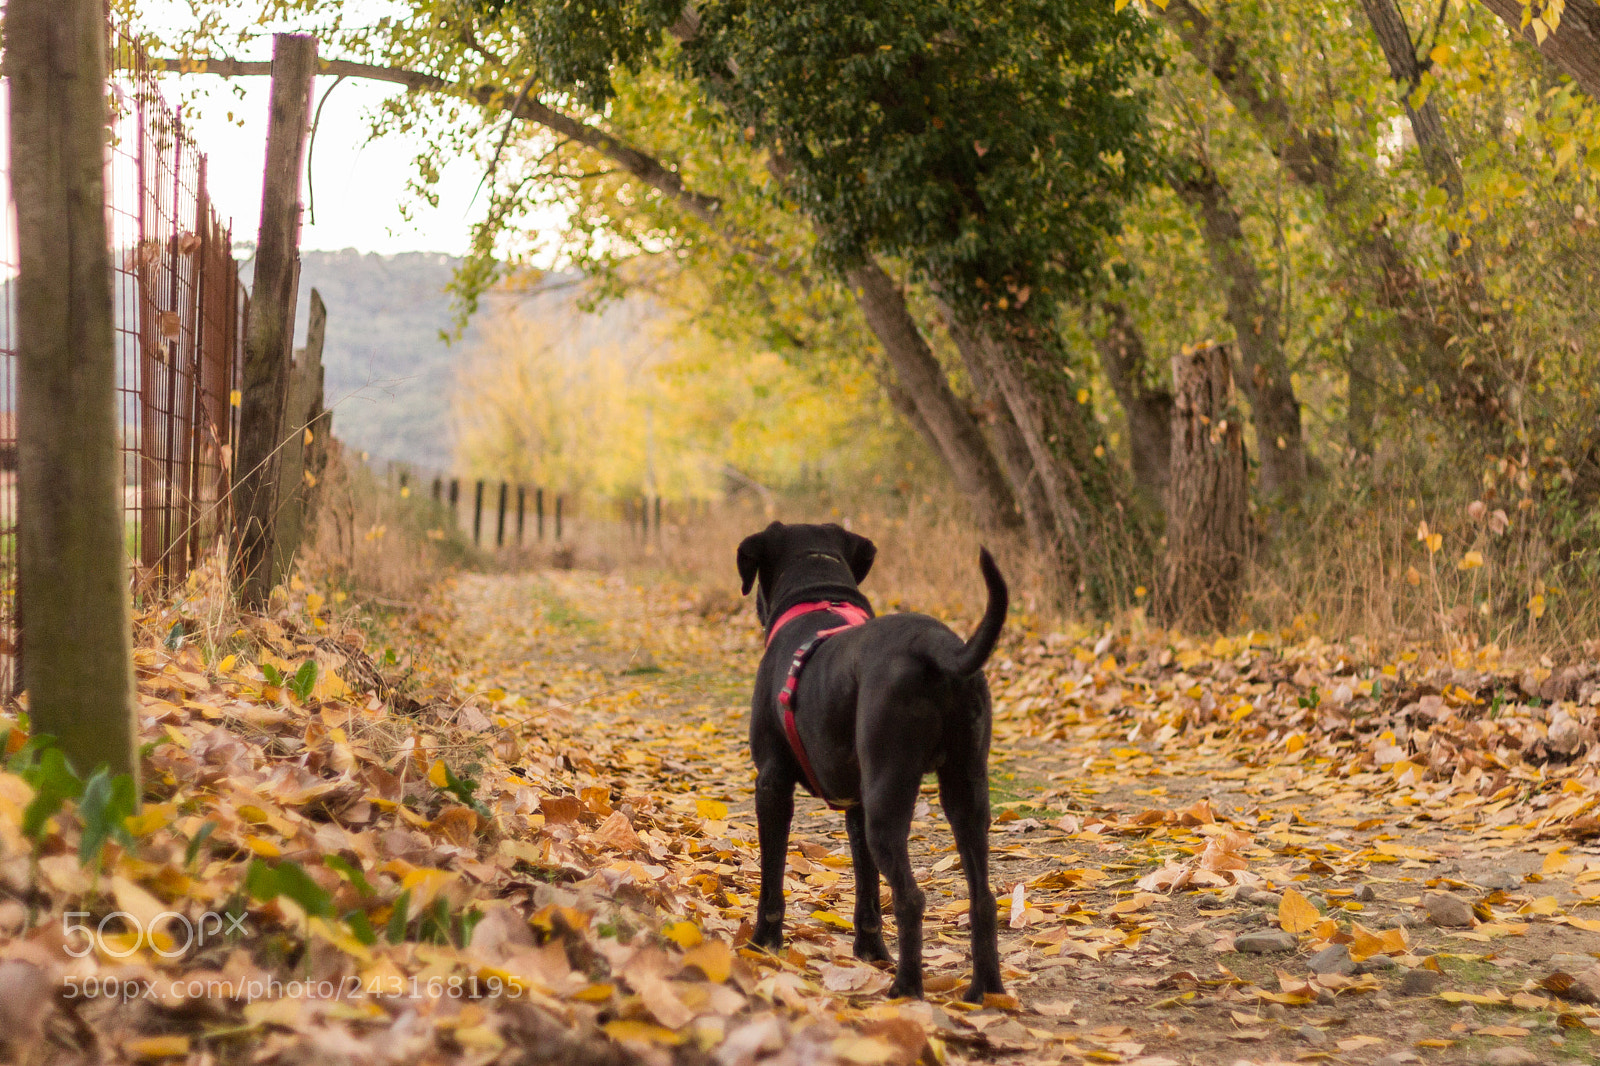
[{"x": 517, "y": 828}]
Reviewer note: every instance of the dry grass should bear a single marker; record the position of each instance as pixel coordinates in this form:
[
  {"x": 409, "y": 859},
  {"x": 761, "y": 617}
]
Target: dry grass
[
  {"x": 927, "y": 555},
  {"x": 1343, "y": 566},
  {"x": 1345, "y": 569},
  {"x": 381, "y": 547}
]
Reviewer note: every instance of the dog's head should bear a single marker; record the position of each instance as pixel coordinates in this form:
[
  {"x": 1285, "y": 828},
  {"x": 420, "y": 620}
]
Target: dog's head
[{"x": 789, "y": 564}]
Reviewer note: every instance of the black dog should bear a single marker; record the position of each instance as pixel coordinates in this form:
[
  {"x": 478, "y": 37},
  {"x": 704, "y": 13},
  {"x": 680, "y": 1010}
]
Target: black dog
[{"x": 877, "y": 705}]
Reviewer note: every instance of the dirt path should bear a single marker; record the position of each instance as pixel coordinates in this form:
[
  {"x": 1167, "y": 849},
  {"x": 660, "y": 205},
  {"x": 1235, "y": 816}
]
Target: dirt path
[{"x": 652, "y": 690}]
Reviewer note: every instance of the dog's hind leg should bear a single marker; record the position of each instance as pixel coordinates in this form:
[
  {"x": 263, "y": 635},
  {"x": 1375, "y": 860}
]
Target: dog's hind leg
[
  {"x": 774, "y": 812},
  {"x": 964, "y": 793},
  {"x": 869, "y": 945},
  {"x": 890, "y": 800}
]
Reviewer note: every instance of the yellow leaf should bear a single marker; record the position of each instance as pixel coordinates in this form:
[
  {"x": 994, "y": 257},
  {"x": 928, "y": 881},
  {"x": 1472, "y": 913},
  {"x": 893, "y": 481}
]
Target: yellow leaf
[
  {"x": 437, "y": 775},
  {"x": 713, "y": 958},
  {"x": 1404, "y": 851},
  {"x": 157, "y": 1047},
  {"x": 683, "y": 934},
  {"x": 829, "y": 918},
  {"x": 1545, "y": 905},
  {"x": 1367, "y": 943},
  {"x": 1434, "y": 542},
  {"x": 339, "y": 937},
  {"x": 1413, "y": 578},
  {"x": 598, "y": 992},
  {"x": 711, "y": 810},
  {"x": 1083, "y": 395},
  {"x": 1470, "y": 561},
  {"x": 263, "y": 847},
  {"x": 1296, "y": 913},
  {"x": 1493, "y": 1000},
  {"x": 150, "y": 819},
  {"x": 644, "y": 1032}
]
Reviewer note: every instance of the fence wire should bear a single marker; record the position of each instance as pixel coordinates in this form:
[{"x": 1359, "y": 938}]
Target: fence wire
[{"x": 179, "y": 314}]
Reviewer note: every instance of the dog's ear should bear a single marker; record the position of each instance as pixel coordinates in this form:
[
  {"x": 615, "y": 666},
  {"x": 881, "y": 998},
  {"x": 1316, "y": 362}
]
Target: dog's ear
[
  {"x": 752, "y": 553},
  {"x": 859, "y": 553}
]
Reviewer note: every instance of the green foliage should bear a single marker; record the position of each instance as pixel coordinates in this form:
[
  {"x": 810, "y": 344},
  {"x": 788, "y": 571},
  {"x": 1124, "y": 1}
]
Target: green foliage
[
  {"x": 992, "y": 145},
  {"x": 1008, "y": 158},
  {"x": 53, "y": 784},
  {"x": 267, "y": 881},
  {"x": 462, "y": 789},
  {"x": 104, "y": 805},
  {"x": 304, "y": 680}
]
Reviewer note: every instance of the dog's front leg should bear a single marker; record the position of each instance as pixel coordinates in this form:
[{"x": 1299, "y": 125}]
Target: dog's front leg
[
  {"x": 774, "y": 812},
  {"x": 869, "y": 945}
]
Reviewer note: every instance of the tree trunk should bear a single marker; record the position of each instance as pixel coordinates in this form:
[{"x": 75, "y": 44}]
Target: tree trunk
[
  {"x": 72, "y": 579},
  {"x": 1573, "y": 46},
  {"x": 1148, "y": 410},
  {"x": 1026, "y": 485},
  {"x": 1389, "y": 26},
  {"x": 1254, "y": 317},
  {"x": 1208, "y": 498},
  {"x": 270, "y": 330},
  {"x": 301, "y": 410},
  {"x": 1084, "y": 505},
  {"x": 946, "y": 420}
]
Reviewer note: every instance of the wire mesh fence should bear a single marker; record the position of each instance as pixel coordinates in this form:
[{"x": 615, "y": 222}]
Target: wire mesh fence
[{"x": 179, "y": 315}]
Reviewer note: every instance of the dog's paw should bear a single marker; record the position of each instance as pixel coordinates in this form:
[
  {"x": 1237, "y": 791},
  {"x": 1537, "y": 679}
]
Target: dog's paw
[
  {"x": 906, "y": 988},
  {"x": 871, "y": 948},
  {"x": 975, "y": 992},
  {"x": 770, "y": 939}
]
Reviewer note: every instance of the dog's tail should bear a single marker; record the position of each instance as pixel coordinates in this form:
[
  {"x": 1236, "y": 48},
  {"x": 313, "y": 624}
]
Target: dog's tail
[{"x": 976, "y": 651}]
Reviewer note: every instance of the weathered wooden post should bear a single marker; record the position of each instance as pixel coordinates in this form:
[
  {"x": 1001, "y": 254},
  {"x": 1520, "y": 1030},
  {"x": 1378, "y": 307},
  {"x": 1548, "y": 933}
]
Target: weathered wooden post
[
  {"x": 500, "y": 520},
  {"x": 297, "y": 434},
  {"x": 658, "y": 519},
  {"x": 1208, "y": 496},
  {"x": 477, "y": 515},
  {"x": 522, "y": 495},
  {"x": 558, "y": 518},
  {"x": 72, "y": 574},
  {"x": 438, "y": 490},
  {"x": 455, "y": 504},
  {"x": 271, "y": 326},
  {"x": 538, "y": 511}
]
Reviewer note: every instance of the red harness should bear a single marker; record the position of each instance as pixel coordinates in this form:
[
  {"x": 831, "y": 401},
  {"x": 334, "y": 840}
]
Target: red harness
[{"x": 853, "y": 616}]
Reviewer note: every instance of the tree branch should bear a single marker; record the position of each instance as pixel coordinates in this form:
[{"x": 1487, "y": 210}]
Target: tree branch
[{"x": 644, "y": 167}]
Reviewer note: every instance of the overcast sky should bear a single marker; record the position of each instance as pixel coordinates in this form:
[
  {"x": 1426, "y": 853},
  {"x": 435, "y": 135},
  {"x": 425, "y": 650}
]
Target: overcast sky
[{"x": 359, "y": 187}]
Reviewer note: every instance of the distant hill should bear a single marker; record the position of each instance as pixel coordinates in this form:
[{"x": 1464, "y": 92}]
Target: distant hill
[{"x": 390, "y": 374}]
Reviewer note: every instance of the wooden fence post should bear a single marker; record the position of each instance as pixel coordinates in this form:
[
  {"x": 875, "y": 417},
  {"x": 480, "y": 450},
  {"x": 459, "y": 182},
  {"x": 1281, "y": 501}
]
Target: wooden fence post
[
  {"x": 438, "y": 490},
  {"x": 477, "y": 515},
  {"x": 455, "y": 504},
  {"x": 558, "y": 518},
  {"x": 1208, "y": 496},
  {"x": 72, "y": 573},
  {"x": 500, "y": 520},
  {"x": 522, "y": 495},
  {"x": 300, "y": 411},
  {"x": 271, "y": 325},
  {"x": 538, "y": 511}
]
